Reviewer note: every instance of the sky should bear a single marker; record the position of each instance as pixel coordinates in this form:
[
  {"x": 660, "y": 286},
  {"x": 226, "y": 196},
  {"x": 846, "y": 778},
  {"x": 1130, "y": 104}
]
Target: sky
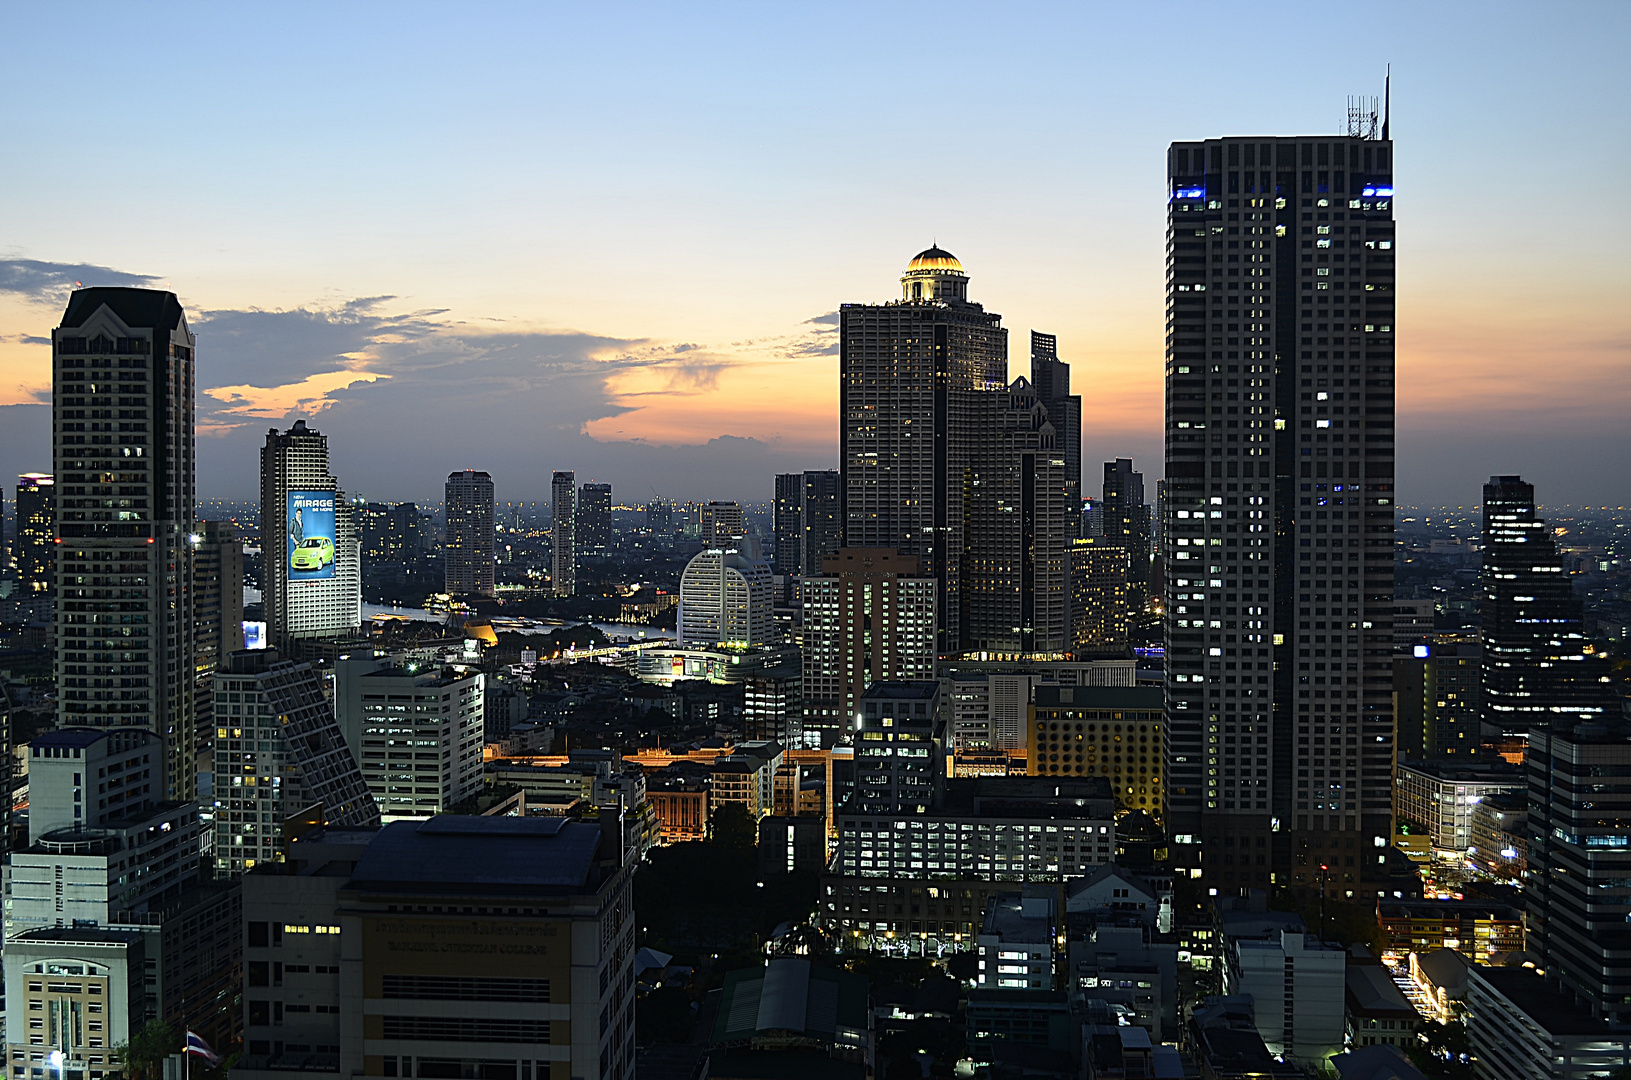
[{"x": 612, "y": 238}]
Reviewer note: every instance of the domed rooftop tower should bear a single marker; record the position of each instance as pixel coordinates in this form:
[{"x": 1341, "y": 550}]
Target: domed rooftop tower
[{"x": 934, "y": 274}]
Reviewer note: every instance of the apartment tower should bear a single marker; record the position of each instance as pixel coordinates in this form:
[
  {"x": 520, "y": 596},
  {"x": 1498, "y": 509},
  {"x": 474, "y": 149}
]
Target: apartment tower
[
  {"x": 1278, "y": 551},
  {"x": 468, "y": 564},
  {"x": 563, "y": 510},
  {"x": 312, "y": 582},
  {"x": 1050, "y": 376},
  {"x": 122, "y": 407}
]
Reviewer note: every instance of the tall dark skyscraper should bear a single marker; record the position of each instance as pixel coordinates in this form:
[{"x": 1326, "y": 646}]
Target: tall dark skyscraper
[
  {"x": 594, "y": 519},
  {"x": 823, "y": 513},
  {"x": 1050, "y": 376},
  {"x": 34, "y": 541},
  {"x": 122, "y": 405},
  {"x": 1126, "y": 516},
  {"x": 909, "y": 376},
  {"x": 563, "y": 533},
  {"x": 468, "y": 547},
  {"x": 788, "y": 522},
  {"x": 1279, "y": 546},
  {"x": 1535, "y": 668}
]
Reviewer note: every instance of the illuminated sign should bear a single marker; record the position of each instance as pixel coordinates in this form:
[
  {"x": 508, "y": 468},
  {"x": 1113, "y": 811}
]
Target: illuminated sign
[
  {"x": 309, "y": 535},
  {"x": 254, "y": 635}
]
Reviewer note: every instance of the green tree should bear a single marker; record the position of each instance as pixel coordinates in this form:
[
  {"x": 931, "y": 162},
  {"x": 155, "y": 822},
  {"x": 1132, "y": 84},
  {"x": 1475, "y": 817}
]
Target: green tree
[
  {"x": 733, "y": 830},
  {"x": 144, "y": 1054}
]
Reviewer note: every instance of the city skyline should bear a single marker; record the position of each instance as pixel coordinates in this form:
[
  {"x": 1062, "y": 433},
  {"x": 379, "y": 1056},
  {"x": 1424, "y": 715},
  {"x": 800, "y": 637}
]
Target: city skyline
[{"x": 638, "y": 345}]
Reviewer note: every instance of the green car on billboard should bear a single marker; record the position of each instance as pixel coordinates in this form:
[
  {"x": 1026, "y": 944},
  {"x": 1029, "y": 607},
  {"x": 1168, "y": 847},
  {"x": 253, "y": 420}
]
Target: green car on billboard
[{"x": 312, "y": 553}]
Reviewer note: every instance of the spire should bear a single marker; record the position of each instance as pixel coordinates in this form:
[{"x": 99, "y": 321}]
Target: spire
[{"x": 1387, "y": 100}]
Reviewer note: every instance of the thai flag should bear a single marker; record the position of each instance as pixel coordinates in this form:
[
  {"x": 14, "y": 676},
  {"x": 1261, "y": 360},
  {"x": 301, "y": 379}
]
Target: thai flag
[{"x": 197, "y": 1045}]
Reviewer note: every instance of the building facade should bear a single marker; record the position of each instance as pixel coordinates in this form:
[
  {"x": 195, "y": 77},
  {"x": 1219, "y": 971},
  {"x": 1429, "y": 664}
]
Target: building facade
[
  {"x": 593, "y": 518},
  {"x": 1113, "y": 732},
  {"x": 1278, "y": 548},
  {"x": 1101, "y": 593},
  {"x": 1442, "y": 797},
  {"x": 726, "y": 596},
  {"x": 1050, "y": 377},
  {"x": 1125, "y": 518},
  {"x": 721, "y": 523},
  {"x": 122, "y": 417},
  {"x": 34, "y": 542},
  {"x": 312, "y": 581},
  {"x": 415, "y": 732},
  {"x": 468, "y": 547},
  {"x": 563, "y": 534}
]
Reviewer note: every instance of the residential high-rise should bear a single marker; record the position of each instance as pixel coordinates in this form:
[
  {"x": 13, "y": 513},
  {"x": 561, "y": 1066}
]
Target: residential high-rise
[
  {"x": 389, "y": 531},
  {"x": 909, "y": 376},
  {"x": 312, "y": 583},
  {"x": 1536, "y": 667},
  {"x": 593, "y": 534},
  {"x": 1127, "y": 516},
  {"x": 721, "y": 523},
  {"x": 218, "y": 613},
  {"x": 823, "y": 513},
  {"x": 1050, "y": 376},
  {"x": 1578, "y": 882},
  {"x": 869, "y": 617},
  {"x": 1014, "y": 582},
  {"x": 563, "y": 534},
  {"x": 726, "y": 594},
  {"x": 787, "y": 519},
  {"x": 122, "y": 408},
  {"x": 35, "y": 536},
  {"x": 1278, "y": 552},
  {"x": 468, "y": 548},
  {"x": 1439, "y": 695},
  {"x": 1100, "y": 596},
  {"x": 660, "y": 517}
]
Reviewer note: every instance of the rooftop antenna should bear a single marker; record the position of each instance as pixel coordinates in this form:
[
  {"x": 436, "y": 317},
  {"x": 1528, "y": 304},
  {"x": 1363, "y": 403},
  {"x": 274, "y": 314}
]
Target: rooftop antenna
[
  {"x": 1362, "y": 117},
  {"x": 1387, "y": 100}
]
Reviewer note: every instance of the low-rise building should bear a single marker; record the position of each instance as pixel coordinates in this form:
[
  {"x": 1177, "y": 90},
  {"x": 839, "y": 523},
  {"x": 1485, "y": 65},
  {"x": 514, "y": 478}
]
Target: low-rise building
[
  {"x": 1524, "y": 1029},
  {"x": 1442, "y": 797},
  {"x": 1015, "y": 946},
  {"x": 681, "y": 801},
  {"x": 1377, "y": 1010},
  {"x": 1441, "y": 976},
  {"x": 1296, "y": 985},
  {"x": 1473, "y": 928},
  {"x": 1500, "y": 835},
  {"x": 1119, "y": 959}
]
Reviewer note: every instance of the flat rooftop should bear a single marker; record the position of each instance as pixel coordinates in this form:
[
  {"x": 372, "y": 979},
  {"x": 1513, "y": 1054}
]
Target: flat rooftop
[
  {"x": 1545, "y": 1006},
  {"x": 480, "y": 855}
]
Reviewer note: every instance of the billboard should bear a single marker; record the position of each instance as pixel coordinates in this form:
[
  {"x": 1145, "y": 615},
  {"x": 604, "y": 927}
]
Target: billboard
[
  {"x": 309, "y": 536},
  {"x": 254, "y": 635}
]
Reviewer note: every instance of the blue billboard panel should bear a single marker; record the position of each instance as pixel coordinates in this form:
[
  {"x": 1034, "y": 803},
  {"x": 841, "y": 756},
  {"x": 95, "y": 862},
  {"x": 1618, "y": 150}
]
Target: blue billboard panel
[
  {"x": 254, "y": 635},
  {"x": 309, "y": 535}
]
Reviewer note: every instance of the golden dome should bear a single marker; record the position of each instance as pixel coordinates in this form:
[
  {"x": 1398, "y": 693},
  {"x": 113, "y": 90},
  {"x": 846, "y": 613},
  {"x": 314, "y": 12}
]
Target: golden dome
[{"x": 935, "y": 258}]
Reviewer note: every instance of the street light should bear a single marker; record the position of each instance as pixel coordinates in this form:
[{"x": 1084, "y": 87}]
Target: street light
[{"x": 57, "y": 1062}]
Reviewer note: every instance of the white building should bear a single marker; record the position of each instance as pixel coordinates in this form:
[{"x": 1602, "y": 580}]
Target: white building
[
  {"x": 1297, "y": 987},
  {"x": 1443, "y": 797},
  {"x": 415, "y": 732},
  {"x": 1015, "y": 946},
  {"x": 1525, "y": 1029},
  {"x": 306, "y": 595},
  {"x": 726, "y": 595}
]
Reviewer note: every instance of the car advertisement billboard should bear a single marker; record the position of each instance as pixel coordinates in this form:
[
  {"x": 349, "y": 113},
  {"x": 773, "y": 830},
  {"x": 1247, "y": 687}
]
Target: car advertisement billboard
[{"x": 309, "y": 535}]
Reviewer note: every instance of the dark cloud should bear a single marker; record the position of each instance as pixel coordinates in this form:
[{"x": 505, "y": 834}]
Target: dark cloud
[
  {"x": 39, "y": 280},
  {"x": 276, "y": 348}
]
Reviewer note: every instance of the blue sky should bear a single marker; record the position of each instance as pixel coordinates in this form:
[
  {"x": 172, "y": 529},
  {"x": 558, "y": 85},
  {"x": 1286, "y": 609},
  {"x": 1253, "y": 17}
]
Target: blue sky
[{"x": 609, "y": 237}]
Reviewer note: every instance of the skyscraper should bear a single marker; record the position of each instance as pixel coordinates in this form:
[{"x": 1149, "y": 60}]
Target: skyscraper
[
  {"x": 909, "y": 374},
  {"x": 218, "y": 612},
  {"x": 787, "y": 515},
  {"x": 726, "y": 595},
  {"x": 1278, "y": 552},
  {"x": 35, "y": 536},
  {"x": 122, "y": 407},
  {"x": 1051, "y": 378},
  {"x": 389, "y": 531},
  {"x": 721, "y": 523},
  {"x": 1535, "y": 667},
  {"x": 823, "y": 514},
  {"x": 1127, "y": 516},
  {"x": 593, "y": 532},
  {"x": 868, "y": 617},
  {"x": 563, "y": 534},
  {"x": 468, "y": 548},
  {"x": 312, "y": 581},
  {"x": 1099, "y": 591}
]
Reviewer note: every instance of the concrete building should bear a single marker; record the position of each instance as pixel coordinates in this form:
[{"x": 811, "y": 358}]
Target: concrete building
[
  {"x": 1296, "y": 985},
  {"x": 278, "y": 751},
  {"x": 389, "y": 532},
  {"x": 80, "y": 992},
  {"x": 592, "y": 517},
  {"x": 1477, "y": 929},
  {"x": 1413, "y": 622},
  {"x": 1113, "y": 732},
  {"x": 416, "y": 733},
  {"x": 727, "y": 595},
  {"x": 33, "y": 543},
  {"x": 1015, "y": 946},
  {"x": 721, "y": 523},
  {"x": 311, "y": 582},
  {"x": 1378, "y": 1013},
  {"x": 456, "y": 943},
  {"x": 1437, "y": 681},
  {"x": 468, "y": 546},
  {"x": 869, "y": 617},
  {"x": 1126, "y": 519},
  {"x": 989, "y": 709},
  {"x": 125, "y": 510},
  {"x": 1117, "y": 958},
  {"x": 1442, "y": 797},
  {"x": 218, "y": 586},
  {"x": 900, "y": 749},
  {"x": 1525, "y": 1029},
  {"x": 773, "y": 705},
  {"x": 787, "y": 520},
  {"x": 1051, "y": 378},
  {"x": 1101, "y": 592},
  {"x": 1242, "y": 486},
  {"x": 1500, "y": 835}
]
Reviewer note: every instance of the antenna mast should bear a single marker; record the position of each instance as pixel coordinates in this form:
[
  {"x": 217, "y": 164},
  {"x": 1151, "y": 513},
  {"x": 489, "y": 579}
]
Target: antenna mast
[{"x": 1387, "y": 100}]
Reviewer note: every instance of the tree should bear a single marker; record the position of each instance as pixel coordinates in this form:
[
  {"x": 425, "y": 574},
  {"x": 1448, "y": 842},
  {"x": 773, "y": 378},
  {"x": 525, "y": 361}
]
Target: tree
[
  {"x": 733, "y": 830},
  {"x": 144, "y": 1054}
]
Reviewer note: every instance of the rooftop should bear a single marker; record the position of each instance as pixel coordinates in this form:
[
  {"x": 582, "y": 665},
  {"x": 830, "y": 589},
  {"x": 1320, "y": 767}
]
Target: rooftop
[
  {"x": 1136, "y": 698},
  {"x": 1371, "y": 992},
  {"x": 898, "y": 691},
  {"x": 792, "y": 995},
  {"x": 152, "y": 308},
  {"x": 1528, "y": 991},
  {"x": 480, "y": 855}
]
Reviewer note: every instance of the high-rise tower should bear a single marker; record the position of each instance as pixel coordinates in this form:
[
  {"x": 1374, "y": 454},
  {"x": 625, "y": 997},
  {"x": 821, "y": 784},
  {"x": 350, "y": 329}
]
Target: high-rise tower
[
  {"x": 312, "y": 582},
  {"x": 787, "y": 519},
  {"x": 563, "y": 573},
  {"x": 909, "y": 372},
  {"x": 1126, "y": 516},
  {"x": 34, "y": 542},
  {"x": 122, "y": 406},
  {"x": 467, "y": 552},
  {"x": 1050, "y": 377},
  {"x": 1536, "y": 671},
  {"x": 1278, "y": 553},
  {"x": 593, "y": 519}
]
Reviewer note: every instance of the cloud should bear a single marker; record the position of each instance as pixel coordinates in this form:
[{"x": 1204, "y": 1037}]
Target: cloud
[{"x": 52, "y": 281}]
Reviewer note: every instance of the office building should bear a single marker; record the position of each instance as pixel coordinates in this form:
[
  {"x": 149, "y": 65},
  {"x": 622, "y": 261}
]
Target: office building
[
  {"x": 787, "y": 519},
  {"x": 1523, "y": 1029},
  {"x": 416, "y": 733},
  {"x": 660, "y": 517},
  {"x": 988, "y": 709},
  {"x": 1050, "y": 376},
  {"x": 773, "y": 705},
  {"x": 910, "y": 373},
  {"x": 900, "y": 749},
  {"x": 1015, "y": 946},
  {"x": 592, "y": 534},
  {"x": 278, "y": 752},
  {"x": 52, "y": 1019},
  {"x": 1015, "y": 591},
  {"x": 218, "y": 611},
  {"x": 1126, "y": 517},
  {"x": 311, "y": 584},
  {"x": 721, "y": 523},
  {"x": 1108, "y": 731},
  {"x": 726, "y": 595},
  {"x": 497, "y": 946},
  {"x": 1438, "y": 684},
  {"x": 34, "y": 539},
  {"x": 1101, "y": 591},
  {"x": 869, "y": 616},
  {"x": 1536, "y": 667},
  {"x": 1441, "y": 797},
  {"x": 390, "y": 532},
  {"x": 122, "y": 416},
  {"x": 468, "y": 546},
  {"x": 1278, "y": 543},
  {"x": 1413, "y": 619},
  {"x": 563, "y": 534},
  {"x": 1479, "y": 930},
  {"x": 823, "y": 518},
  {"x": 1500, "y": 835},
  {"x": 1578, "y": 885}
]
